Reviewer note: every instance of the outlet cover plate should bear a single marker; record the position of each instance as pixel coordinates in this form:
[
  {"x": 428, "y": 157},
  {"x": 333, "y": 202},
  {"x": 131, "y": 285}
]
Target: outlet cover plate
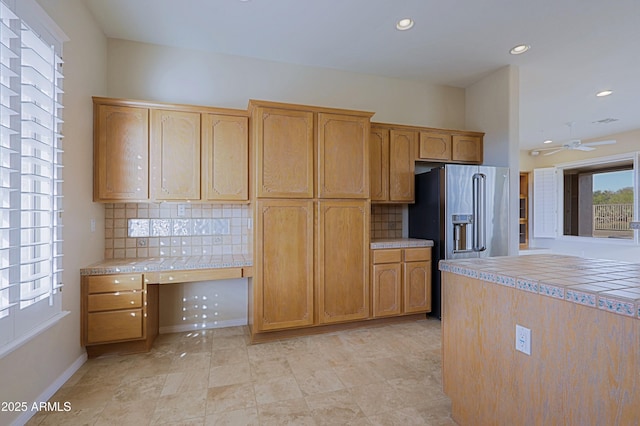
[{"x": 523, "y": 339}]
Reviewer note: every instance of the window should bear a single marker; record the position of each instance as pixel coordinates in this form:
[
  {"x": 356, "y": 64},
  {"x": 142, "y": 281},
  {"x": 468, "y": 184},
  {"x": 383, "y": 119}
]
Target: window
[
  {"x": 595, "y": 198},
  {"x": 598, "y": 201},
  {"x": 30, "y": 177}
]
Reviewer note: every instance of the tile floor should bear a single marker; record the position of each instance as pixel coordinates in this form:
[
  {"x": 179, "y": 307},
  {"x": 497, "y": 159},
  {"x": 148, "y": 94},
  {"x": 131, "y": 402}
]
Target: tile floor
[{"x": 383, "y": 375}]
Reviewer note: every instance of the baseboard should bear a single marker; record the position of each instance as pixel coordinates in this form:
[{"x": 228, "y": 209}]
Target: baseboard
[
  {"x": 210, "y": 325},
  {"x": 52, "y": 389}
]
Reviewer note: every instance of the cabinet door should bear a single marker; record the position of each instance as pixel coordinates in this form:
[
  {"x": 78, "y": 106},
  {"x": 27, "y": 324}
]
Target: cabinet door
[
  {"x": 466, "y": 149},
  {"x": 343, "y": 154},
  {"x": 417, "y": 286},
  {"x": 284, "y": 153},
  {"x": 175, "y": 155},
  {"x": 283, "y": 278},
  {"x": 121, "y": 153},
  {"x": 387, "y": 287},
  {"x": 225, "y": 158},
  {"x": 435, "y": 146},
  {"x": 402, "y": 165},
  {"x": 379, "y": 164},
  {"x": 343, "y": 260}
]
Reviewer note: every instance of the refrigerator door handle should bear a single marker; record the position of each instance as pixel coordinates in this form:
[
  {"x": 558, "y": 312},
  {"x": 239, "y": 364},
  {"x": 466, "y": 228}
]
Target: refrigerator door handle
[{"x": 479, "y": 209}]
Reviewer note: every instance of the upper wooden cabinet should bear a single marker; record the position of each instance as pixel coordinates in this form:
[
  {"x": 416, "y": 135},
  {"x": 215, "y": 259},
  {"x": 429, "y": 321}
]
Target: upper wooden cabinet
[
  {"x": 466, "y": 148},
  {"x": 392, "y": 164},
  {"x": 379, "y": 163},
  {"x": 175, "y": 155},
  {"x": 121, "y": 153},
  {"x": 299, "y": 146},
  {"x": 402, "y": 145},
  {"x": 450, "y": 146},
  {"x": 284, "y": 152},
  {"x": 435, "y": 146},
  {"x": 225, "y": 161},
  {"x": 145, "y": 151},
  {"x": 343, "y": 152}
]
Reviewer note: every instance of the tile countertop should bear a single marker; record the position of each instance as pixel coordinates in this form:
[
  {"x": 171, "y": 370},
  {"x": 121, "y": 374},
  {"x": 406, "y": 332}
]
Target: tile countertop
[
  {"x": 166, "y": 264},
  {"x": 603, "y": 284},
  {"x": 400, "y": 243}
]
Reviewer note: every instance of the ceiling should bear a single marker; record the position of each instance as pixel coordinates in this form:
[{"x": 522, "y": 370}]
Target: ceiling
[{"x": 578, "y": 47}]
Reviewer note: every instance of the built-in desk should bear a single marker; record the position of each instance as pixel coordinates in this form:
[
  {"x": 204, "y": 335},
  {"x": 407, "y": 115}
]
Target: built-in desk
[{"x": 119, "y": 297}]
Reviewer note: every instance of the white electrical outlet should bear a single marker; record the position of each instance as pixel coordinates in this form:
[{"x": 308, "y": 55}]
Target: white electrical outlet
[
  {"x": 181, "y": 210},
  {"x": 523, "y": 339}
]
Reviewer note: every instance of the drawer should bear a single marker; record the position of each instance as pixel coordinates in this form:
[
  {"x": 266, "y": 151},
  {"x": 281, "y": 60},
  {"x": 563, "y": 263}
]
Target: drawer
[
  {"x": 112, "y": 301},
  {"x": 111, "y": 283},
  {"x": 387, "y": 256},
  {"x": 417, "y": 254},
  {"x": 198, "y": 275},
  {"x": 113, "y": 326}
]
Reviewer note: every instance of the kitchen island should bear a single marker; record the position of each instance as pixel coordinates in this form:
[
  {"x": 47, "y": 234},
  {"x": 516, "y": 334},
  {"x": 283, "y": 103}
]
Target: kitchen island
[{"x": 584, "y": 362}]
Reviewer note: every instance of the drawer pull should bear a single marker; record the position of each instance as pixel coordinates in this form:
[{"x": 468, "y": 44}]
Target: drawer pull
[
  {"x": 116, "y": 281},
  {"x": 132, "y": 302},
  {"x": 133, "y": 314}
]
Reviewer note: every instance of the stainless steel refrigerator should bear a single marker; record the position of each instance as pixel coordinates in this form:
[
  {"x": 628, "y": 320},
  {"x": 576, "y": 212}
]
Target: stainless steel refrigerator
[{"x": 464, "y": 209}]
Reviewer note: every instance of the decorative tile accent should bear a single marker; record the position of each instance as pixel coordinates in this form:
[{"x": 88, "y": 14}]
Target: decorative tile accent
[
  {"x": 527, "y": 285},
  {"x": 580, "y": 297},
  {"x": 181, "y": 227},
  {"x": 487, "y": 276},
  {"x": 617, "y": 306},
  {"x": 201, "y": 226},
  {"x": 551, "y": 291},
  {"x": 505, "y": 280},
  {"x": 138, "y": 228},
  {"x": 160, "y": 227}
]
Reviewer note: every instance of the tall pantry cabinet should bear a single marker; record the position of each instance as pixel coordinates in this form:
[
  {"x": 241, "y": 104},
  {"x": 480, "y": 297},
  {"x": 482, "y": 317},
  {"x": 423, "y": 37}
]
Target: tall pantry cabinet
[{"x": 311, "y": 188}]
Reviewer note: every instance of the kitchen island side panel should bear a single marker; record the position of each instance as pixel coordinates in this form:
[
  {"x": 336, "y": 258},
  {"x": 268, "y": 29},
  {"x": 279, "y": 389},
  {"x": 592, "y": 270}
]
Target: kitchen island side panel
[{"x": 583, "y": 368}]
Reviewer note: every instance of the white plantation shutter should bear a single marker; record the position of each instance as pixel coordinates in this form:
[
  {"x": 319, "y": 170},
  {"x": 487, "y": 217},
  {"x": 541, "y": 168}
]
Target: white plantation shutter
[
  {"x": 545, "y": 203},
  {"x": 30, "y": 177}
]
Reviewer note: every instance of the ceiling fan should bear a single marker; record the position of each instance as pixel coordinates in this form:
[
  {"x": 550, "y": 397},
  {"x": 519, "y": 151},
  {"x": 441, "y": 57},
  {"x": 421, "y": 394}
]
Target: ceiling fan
[{"x": 573, "y": 144}]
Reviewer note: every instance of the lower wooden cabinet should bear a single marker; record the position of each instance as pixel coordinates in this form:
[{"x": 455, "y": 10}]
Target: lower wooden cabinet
[
  {"x": 119, "y": 313},
  {"x": 343, "y": 261},
  {"x": 283, "y": 291},
  {"x": 311, "y": 264},
  {"x": 401, "y": 281}
]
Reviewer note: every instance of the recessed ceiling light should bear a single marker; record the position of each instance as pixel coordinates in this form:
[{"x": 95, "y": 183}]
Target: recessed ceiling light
[
  {"x": 519, "y": 49},
  {"x": 404, "y": 24},
  {"x": 604, "y": 93},
  {"x": 548, "y": 141}
]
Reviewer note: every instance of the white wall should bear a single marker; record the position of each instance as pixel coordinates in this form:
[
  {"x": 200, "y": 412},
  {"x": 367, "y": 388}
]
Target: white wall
[
  {"x": 492, "y": 106},
  {"x": 166, "y": 74},
  {"x": 158, "y": 73},
  {"x": 595, "y": 248},
  {"x": 30, "y": 370}
]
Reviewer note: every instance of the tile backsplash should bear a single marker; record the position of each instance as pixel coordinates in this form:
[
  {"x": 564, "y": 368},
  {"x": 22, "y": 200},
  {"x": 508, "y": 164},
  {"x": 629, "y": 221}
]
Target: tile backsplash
[
  {"x": 138, "y": 230},
  {"x": 386, "y": 221}
]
